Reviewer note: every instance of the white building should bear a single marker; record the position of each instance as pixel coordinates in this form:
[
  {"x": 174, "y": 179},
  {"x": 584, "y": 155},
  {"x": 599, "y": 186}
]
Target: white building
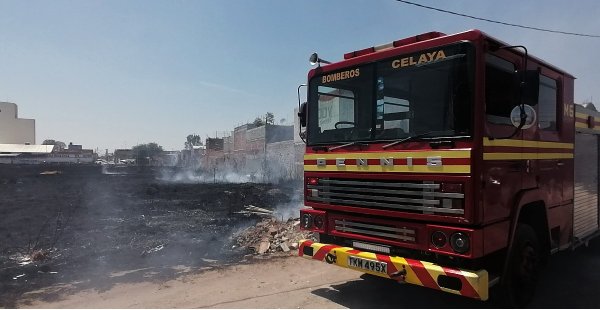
[
  {"x": 24, "y": 154},
  {"x": 15, "y": 130}
]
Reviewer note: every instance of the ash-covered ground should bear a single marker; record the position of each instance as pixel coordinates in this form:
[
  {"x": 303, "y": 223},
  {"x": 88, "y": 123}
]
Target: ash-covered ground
[{"x": 77, "y": 226}]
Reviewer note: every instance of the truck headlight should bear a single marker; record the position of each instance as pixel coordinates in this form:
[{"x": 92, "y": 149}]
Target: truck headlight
[
  {"x": 306, "y": 221},
  {"x": 460, "y": 242}
]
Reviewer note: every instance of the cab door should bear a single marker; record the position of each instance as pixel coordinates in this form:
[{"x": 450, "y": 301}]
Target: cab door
[
  {"x": 506, "y": 167},
  {"x": 551, "y": 160}
]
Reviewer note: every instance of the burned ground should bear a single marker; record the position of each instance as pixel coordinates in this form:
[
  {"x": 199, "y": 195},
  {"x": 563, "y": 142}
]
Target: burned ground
[{"x": 77, "y": 226}]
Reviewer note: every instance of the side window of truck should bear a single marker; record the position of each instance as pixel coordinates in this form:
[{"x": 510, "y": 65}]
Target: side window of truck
[
  {"x": 547, "y": 103},
  {"x": 500, "y": 89}
]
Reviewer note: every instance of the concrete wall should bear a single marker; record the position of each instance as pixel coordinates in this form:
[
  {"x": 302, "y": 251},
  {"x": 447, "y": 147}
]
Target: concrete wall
[
  {"x": 278, "y": 133},
  {"x": 239, "y": 138},
  {"x": 228, "y": 144},
  {"x": 285, "y": 160},
  {"x": 14, "y": 130},
  {"x": 297, "y": 128},
  {"x": 255, "y": 140}
]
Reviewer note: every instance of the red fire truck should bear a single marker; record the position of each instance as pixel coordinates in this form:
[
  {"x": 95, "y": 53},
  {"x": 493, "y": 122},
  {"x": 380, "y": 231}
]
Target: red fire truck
[{"x": 455, "y": 162}]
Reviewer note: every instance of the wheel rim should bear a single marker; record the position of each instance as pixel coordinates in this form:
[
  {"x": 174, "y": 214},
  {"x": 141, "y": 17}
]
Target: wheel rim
[{"x": 528, "y": 265}]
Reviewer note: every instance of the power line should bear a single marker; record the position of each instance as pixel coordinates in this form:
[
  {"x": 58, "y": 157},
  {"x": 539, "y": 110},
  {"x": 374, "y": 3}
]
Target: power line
[{"x": 499, "y": 22}]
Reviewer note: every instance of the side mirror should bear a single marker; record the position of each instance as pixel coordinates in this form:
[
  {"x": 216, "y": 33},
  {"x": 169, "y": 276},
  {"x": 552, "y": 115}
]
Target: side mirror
[
  {"x": 523, "y": 116},
  {"x": 302, "y": 114},
  {"x": 530, "y": 91}
]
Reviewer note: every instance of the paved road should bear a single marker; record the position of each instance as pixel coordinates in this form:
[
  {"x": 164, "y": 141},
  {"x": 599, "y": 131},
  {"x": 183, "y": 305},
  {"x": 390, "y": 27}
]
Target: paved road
[{"x": 571, "y": 280}]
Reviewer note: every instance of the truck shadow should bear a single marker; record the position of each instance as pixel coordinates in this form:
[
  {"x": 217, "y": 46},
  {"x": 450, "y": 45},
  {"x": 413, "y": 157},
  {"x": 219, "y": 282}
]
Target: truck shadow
[
  {"x": 570, "y": 280},
  {"x": 372, "y": 292}
]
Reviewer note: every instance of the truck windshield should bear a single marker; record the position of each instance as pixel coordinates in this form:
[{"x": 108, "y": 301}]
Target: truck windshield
[{"x": 429, "y": 91}]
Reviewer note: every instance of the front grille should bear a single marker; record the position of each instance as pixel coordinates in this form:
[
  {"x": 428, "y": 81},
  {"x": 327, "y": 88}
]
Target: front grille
[
  {"x": 422, "y": 197},
  {"x": 388, "y": 232}
]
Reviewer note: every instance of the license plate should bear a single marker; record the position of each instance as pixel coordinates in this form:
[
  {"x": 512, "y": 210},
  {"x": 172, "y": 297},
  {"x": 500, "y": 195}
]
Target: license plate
[{"x": 367, "y": 264}]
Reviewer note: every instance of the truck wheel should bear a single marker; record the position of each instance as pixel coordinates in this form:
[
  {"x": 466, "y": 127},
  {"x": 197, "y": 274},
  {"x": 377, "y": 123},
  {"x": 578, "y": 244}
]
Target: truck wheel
[{"x": 523, "y": 268}]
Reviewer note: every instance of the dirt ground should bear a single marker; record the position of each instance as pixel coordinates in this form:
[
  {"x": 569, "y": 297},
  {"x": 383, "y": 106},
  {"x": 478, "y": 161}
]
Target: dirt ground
[
  {"x": 571, "y": 280},
  {"x": 272, "y": 284},
  {"x": 78, "y": 226}
]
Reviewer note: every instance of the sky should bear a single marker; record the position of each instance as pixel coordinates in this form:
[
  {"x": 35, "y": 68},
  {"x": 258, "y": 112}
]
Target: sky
[{"x": 114, "y": 74}]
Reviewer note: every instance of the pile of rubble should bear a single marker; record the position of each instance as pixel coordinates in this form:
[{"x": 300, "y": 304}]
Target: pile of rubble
[{"x": 272, "y": 236}]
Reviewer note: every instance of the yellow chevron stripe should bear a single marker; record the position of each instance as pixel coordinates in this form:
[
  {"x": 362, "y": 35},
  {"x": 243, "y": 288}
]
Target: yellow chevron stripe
[
  {"x": 395, "y": 168},
  {"x": 435, "y": 271},
  {"x": 477, "y": 279},
  {"x": 460, "y": 153},
  {"x": 527, "y": 143},
  {"x": 522, "y": 156}
]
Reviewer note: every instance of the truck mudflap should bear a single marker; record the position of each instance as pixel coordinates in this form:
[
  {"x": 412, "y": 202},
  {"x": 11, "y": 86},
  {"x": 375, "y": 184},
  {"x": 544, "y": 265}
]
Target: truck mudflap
[{"x": 473, "y": 284}]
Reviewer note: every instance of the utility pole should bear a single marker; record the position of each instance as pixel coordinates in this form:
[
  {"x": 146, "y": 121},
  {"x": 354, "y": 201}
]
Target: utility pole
[{"x": 265, "y": 177}]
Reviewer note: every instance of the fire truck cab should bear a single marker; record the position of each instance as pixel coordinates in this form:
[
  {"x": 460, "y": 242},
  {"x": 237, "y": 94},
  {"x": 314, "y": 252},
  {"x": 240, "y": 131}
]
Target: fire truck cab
[{"x": 454, "y": 162}]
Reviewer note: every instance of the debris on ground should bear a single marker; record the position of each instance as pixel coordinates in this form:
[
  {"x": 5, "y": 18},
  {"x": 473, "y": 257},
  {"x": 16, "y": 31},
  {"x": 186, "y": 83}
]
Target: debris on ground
[
  {"x": 272, "y": 236},
  {"x": 50, "y": 172},
  {"x": 152, "y": 250},
  {"x": 40, "y": 255},
  {"x": 253, "y": 210}
]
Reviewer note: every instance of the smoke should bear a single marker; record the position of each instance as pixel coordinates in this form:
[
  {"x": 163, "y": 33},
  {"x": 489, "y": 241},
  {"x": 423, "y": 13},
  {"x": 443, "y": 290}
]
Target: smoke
[
  {"x": 106, "y": 171},
  {"x": 190, "y": 176},
  {"x": 291, "y": 209},
  {"x": 276, "y": 167}
]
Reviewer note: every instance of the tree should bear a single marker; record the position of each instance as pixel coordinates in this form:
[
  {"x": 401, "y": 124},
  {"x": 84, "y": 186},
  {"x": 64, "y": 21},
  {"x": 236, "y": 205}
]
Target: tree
[
  {"x": 258, "y": 122},
  {"x": 192, "y": 140},
  {"x": 270, "y": 118},
  {"x": 58, "y": 144},
  {"x": 149, "y": 150}
]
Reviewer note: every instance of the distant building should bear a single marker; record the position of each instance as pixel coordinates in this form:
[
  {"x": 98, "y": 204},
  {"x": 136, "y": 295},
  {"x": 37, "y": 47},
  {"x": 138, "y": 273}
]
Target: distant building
[
  {"x": 192, "y": 157},
  {"x": 250, "y": 139},
  {"x": 75, "y": 153},
  {"x": 122, "y": 154},
  {"x": 239, "y": 137},
  {"x": 44, "y": 154},
  {"x": 24, "y": 154},
  {"x": 228, "y": 144},
  {"x": 214, "y": 144},
  {"x": 75, "y": 147},
  {"x": 169, "y": 158},
  {"x": 15, "y": 130}
]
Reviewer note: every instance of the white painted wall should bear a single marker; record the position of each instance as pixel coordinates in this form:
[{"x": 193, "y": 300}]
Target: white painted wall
[{"x": 14, "y": 130}]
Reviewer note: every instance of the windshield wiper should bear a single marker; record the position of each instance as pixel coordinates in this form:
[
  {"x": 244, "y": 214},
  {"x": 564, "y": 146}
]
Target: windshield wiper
[
  {"x": 407, "y": 139},
  {"x": 346, "y": 145}
]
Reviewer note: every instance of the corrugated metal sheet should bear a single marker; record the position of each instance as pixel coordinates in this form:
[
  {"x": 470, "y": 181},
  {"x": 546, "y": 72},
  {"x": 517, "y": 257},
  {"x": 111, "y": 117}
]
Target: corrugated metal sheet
[
  {"x": 586, "y": 185},
  {"x": 23, "y": 148}
]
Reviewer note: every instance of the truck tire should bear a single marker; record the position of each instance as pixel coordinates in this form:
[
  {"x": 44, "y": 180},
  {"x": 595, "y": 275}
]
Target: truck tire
[{"x": 523, "y": 269}]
